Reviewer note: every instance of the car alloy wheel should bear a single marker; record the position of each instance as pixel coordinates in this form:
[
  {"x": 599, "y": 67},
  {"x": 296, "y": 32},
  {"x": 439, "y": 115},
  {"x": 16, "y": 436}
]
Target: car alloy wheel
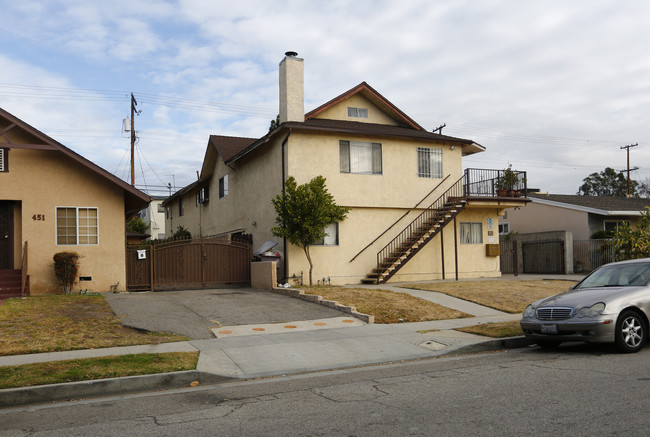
[{"x": 630, "y": 332}]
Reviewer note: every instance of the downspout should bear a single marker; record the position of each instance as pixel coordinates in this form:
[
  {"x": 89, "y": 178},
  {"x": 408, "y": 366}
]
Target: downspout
[{"x": 284, "y": 176}]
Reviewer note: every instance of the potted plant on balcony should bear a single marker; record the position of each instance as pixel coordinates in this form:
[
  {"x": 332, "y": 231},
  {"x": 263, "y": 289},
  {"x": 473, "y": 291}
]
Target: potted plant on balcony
[{"x": 506, "y": 183}]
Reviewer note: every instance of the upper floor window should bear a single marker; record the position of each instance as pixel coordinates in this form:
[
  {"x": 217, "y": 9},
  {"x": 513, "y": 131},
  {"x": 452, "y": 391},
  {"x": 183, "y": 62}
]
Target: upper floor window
[
  {"x": 4, "y": 160},
  {"x": 223, "y": 186},
  {"x": 181, "y": 208},
  {"x": 77, "y": 226},
  {"x": 360, "y": 157},
  {"x": 429, "y": 162},
  {"x": 358, "y": 112}
]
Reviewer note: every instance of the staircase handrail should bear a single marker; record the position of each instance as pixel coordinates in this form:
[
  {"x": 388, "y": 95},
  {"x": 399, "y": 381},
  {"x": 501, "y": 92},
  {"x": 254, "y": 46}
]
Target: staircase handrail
[
  {"x": 456, "y": 190},
  {"x": 400, "y": 219},
  {"x": 23, "y": 272}
]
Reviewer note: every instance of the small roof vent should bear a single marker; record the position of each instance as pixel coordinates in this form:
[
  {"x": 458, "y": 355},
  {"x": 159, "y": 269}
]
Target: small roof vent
[{"x": 291, "y": 54}]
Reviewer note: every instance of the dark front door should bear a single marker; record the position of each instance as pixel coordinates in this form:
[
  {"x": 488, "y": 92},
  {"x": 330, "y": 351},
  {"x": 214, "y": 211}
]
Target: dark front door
[{"x": 6, "y": 235}]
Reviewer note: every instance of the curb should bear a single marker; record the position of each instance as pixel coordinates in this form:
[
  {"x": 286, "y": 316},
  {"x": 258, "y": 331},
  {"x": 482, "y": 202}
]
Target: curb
[
  {"x": 14, "y": 397},
  {"x": 352, "y": 311},
  {"x": 492, "y": 345}
]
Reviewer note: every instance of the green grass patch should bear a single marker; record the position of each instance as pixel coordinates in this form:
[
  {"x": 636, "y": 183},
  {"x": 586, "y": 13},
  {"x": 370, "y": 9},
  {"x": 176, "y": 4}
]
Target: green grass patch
[
  {"x": 495, "y": 330},
  {"x": 387, "y": 306},
  {"x": 56, "y": 372},
  {"x": 67, "y": 322}
]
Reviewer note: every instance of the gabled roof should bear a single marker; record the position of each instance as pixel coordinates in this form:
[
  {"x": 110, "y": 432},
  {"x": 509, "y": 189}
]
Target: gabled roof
[
  {"x": 134, "y": 199},
  {"x": 377, "y": 99},
  {"x": 602, "y": 205},
  {"x": 226, "y": 147}
]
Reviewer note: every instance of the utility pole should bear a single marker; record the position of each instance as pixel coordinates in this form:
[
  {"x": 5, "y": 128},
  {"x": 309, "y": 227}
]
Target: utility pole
[
  {"x": 628, "y": 147},
  {"x": 439, "y": 129},
  {"x": 133, "y": 112}
]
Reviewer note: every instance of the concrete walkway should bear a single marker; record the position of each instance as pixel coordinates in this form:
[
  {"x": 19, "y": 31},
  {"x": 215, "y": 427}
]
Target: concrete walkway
[{"x": 263, "y": 350}]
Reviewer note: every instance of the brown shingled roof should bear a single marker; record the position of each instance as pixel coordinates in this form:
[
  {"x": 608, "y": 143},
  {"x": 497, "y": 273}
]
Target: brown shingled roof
[{"x": 230, "y": 146}]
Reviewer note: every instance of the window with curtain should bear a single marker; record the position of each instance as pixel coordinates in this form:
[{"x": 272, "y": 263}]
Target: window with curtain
[
  {"x": 429, "y": 162},
  {"x": 77, "y": 226},
  {"x": 471, "y": 233},
  {"x": 223, "y": 186},
  {"x": 357, "y": 112},
  {"x": 360, "y": 157},
  {"x": 332, "y": 237}
]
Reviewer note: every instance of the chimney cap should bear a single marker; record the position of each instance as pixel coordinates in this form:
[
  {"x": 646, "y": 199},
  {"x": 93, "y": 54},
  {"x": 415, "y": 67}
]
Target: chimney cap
[{"x": 291, "y": 54}]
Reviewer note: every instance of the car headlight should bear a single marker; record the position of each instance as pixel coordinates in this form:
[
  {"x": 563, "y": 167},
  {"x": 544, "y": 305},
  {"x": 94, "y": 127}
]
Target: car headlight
[
  {"x": 592, "y": 311},
  {"x": 529, "y": 311}
]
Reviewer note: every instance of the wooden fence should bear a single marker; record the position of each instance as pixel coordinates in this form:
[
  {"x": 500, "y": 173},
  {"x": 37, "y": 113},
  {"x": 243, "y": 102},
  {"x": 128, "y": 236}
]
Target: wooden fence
[{"x": 189, "y": 264}]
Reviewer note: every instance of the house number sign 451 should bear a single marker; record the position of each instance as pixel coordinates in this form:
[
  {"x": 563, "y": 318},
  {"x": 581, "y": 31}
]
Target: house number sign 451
[{"x": 38, "y": 217}]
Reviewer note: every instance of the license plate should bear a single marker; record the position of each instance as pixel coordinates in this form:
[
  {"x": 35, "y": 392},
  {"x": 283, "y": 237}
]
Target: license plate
[{"x": 549, "y": 329}]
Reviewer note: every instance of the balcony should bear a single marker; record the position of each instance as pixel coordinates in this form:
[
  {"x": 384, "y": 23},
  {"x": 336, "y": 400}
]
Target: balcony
[{"x": 483, "y": 183}]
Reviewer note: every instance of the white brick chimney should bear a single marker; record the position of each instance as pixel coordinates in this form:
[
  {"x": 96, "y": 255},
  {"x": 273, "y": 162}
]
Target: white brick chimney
[{"x": 292, "y": 93}]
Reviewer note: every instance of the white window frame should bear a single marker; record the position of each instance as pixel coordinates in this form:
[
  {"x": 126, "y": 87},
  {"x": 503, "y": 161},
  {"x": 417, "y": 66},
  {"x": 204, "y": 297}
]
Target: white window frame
[
  {"x": 360, "y": 157},
  {"x": 617, "y": 224},
  {"x": 471, "y": 233},
  {"x": 504, "y": 228},
  {"x": 429, "y": 162},
  {"x": 332, "y": 237},
  {"x": 357, "y": 112},
  {"x": 78, "y": 227}
]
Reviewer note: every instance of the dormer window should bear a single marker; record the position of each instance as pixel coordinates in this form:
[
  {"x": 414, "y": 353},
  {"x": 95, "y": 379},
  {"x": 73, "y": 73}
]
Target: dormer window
[{"x": 358, "y": 112}]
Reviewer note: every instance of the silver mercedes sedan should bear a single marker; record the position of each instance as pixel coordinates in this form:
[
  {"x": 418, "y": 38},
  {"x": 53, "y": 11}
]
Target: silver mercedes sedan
[{"x": 611, "y": 305}]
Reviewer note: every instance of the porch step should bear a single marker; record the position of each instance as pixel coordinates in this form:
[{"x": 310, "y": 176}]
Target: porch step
[{"x": 10, "y": 283}]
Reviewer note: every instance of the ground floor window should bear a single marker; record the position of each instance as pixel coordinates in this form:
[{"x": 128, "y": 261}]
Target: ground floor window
[
  {"x": 332, "y": 237},
  {"x": 471, "y": 233},
  {"x": 614, "y": 225},
  {"x": 77, "y": 226}
]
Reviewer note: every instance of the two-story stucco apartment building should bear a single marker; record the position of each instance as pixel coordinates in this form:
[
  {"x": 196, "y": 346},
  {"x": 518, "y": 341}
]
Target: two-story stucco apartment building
[
  {"x": 378, "y": 162},
  {"x": 53, "y": 200}
]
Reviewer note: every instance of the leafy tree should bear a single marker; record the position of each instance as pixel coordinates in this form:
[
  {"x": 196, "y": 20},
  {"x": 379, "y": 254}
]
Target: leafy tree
[
  {"x": 608, "y": 182},
  {"x": 181, "y": 234},
  {"x": 136, "y": 224},
  {"x": 634, "y": 242},
  {"x": 274, "y": 123},
  {"x": 643, "y": 189},
  {"x": 303, "y": 212}
]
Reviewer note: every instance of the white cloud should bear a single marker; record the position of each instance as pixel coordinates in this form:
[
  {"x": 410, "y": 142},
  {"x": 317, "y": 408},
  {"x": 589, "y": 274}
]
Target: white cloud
[{"x": 554, "y": 87}]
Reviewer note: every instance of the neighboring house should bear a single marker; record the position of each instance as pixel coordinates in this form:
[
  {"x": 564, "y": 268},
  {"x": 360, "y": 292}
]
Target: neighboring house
[
  {"x": 378, "y": 162},
  {"x": 154, "y": 217},
  {"x": 582, "y": 215},
  {"x": 53, "y": 200}
]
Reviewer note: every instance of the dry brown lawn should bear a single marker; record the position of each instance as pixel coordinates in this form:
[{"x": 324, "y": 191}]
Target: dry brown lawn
[
  {"x": 60, "y": 323},
  {"x": 509, "y": 296},
  {"x": 495, "y": 330},
  {"x": 387, "y": 306}
]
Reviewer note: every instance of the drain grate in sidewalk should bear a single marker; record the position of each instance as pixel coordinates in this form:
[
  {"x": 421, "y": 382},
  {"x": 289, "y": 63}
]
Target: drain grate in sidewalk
[
  {"x": 433, "y": 345},
  {"x": 274, "y": 328}
]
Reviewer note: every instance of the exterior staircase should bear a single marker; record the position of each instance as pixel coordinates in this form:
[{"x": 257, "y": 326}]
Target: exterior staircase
[
  {"x": 417, "y": 234},
  {"x": 11, "y": 283}
]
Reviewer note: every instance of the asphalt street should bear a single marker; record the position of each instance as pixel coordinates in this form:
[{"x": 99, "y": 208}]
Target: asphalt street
[{"x": 577, "y": 390}]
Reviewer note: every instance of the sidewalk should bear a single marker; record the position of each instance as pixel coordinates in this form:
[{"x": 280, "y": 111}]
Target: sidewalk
[{"x": 255, "y": 351}]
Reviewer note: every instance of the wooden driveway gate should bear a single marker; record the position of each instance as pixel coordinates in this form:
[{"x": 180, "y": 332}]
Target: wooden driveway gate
[{"x": 188, "y": 264}]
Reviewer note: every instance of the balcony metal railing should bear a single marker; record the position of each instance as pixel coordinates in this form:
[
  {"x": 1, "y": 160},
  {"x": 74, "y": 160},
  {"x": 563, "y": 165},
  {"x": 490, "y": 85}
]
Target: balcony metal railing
[{"x": 495, "y": 183}]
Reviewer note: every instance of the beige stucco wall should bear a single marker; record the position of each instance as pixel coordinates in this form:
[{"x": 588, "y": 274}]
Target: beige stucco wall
[
  {"x": 363, "y": 225},
  {"x": 41, "y": 181},
  {"x": 536, "y": 217},
  {"x": 340, "y": 112}
]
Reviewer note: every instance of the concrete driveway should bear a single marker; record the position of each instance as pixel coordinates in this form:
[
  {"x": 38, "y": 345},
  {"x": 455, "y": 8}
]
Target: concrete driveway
[{"x": 194, "y": 312}]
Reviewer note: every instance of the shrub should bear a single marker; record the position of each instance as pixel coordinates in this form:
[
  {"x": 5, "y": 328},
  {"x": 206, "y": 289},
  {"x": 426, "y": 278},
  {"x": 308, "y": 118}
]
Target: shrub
[{"x": 65, "y": 268}]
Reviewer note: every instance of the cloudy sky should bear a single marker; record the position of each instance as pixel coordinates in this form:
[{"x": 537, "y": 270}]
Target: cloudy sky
[{"x": 552, "y": 87}]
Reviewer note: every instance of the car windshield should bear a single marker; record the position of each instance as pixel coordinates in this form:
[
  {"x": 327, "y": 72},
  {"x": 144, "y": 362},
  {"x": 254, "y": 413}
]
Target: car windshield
[{"x": 618, "y": 275}]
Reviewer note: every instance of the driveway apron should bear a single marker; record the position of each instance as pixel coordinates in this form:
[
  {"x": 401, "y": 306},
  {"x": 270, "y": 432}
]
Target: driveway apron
[{"x": 194, "y": 313}]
